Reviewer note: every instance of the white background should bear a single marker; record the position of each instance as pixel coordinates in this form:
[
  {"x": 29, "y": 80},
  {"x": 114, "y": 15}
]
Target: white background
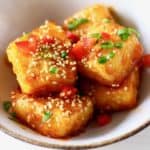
[{"x": 140, "y": 141}]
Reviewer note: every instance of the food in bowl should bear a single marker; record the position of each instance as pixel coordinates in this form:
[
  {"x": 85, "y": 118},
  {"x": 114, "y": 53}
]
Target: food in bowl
[
  {"x": 47, "y": 63},
  {"x": 40, "y": 60}
]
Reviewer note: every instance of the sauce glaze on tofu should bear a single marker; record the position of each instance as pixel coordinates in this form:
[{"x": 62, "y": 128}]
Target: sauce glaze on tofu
[{"x": 40, "y": 60}]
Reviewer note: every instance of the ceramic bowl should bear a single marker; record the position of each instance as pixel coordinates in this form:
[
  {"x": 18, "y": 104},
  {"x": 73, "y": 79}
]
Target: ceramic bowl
[{"x": 17, "y": 16}]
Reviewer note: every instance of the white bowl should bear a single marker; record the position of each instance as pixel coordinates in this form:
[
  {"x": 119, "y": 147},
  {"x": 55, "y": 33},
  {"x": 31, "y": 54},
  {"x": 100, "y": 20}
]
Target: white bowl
[{"x": 17, "y": 16}]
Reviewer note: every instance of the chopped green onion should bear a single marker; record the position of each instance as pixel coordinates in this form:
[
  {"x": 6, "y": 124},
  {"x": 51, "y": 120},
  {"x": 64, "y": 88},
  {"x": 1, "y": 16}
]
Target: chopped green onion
[
  {"x": 131, "y": 30},
  {"x": 64, "y": 54},
  {"x": 77, "y": 22},
  {"x": 111, "y": 54},
  {"x": 118, "y": 45},
  {"x": 46, "y": 116},
  {"x": 126, "y": 32},
  {"x": 102, "y": 60},
  {"x": 7, "y": 105},
  {"x": 95, "y": 35},
  {"x": 53, "y": 70},
  {"x": 107, "y": 45},
  {"x": 106, "y": 20}
]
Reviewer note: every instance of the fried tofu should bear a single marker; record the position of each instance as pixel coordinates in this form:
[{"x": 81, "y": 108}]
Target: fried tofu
[
  {"x": 40, "y": 60},
  {"x": 111, "y": 58},
  {"x": 53, "y": 117},
  {"x": 109, "y": 99},
  {"x": 95, "y": 14},
  {"x": 116, "y": 49}
]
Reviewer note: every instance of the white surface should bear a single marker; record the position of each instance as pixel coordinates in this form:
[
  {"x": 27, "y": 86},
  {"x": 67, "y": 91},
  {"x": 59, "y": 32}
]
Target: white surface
[{"x": 138, "y": 142}]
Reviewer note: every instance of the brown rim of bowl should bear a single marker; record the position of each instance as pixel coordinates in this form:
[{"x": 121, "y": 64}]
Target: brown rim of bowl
[{"x": 94, "y": 145}]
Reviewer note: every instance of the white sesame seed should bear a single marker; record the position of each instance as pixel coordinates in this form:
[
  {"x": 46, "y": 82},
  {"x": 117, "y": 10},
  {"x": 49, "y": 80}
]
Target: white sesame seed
[{"x": 125, "y": 88}]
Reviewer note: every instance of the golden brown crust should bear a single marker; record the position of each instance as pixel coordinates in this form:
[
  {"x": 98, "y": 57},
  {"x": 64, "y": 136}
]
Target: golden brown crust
[
  {"x": 95, "y": 14},
  {"x": 114, "y": 99},
  {"x": 114, "y": 71},
  {"x": 68, "y": 116},
  {"x": 33, "y": 70}
]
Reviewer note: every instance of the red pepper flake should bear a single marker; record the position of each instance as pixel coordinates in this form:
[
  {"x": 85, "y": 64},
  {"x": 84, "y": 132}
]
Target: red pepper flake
[
  {"x": 27, "y": 46},
  {"x": 105, "y": 36},
  {"x": 47, "y": 40},
  {"x": 78, "y": 51},
  {"x": 146, "y": 60},
  {"x": 68, "y": 91},
  {"x": 73, "y": 37},
  {"x": 103, "y": 119},
  {"x": 82, "y": 48}
]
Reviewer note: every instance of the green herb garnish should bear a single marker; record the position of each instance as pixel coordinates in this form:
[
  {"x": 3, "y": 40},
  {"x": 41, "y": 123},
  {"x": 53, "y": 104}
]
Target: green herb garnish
[
  {"x": 64, "y": 54},
  {"x": 77, "y": 22},
  {"x": 106, "y": 20},
  {"x": 118, "y": 44},
  {"x": 126, "y": 32},
  {"x": 111, "y": 54},
  {"x": 102, "y": 60},
  {"x": 46, "y": 116},
  {"x": 95, "y": 35},
  {"x": 7, "y": 105},
  {"x": 107, "y": 45},
  {"x": 53, "y": 70},
  {"x": 131, "y": 30}
]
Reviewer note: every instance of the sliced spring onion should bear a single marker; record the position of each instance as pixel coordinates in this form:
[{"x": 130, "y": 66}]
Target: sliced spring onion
[
  {"x": 102, "y": 60},
  {"x": 7, "y": 105},
  {"x": 131, "y": 30},
  {"x": 46, "y": 116},
  {"x": 111, "y": 54},
  {"x": 77, "y": 22},
  {"x": 53, "y": 70},
  {"x": 106, "y": 20},
  {"x": 118, "y": 44},
  {"x": 95, "y": 35},
  {"x": 124, "y": 33},
  {"x": 64, "y": 54},
  {"x": 107, "y": 45}
]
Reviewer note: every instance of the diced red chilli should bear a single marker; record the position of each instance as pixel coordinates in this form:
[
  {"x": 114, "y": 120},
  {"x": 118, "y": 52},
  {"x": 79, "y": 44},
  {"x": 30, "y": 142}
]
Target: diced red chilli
[
  {"x": 48, "y": 40},
  {"x": 146, "y": 60},
  {"x": 73, "y": 37},
  {"x": 103, "y": 119},
  {"x": 78, "y": 51},
  {"x": 68, "y": 91},
  {"x": 105, "y": 36}
]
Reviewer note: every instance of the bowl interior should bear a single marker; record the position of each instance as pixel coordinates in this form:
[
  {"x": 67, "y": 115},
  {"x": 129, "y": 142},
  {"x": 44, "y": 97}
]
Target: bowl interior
[{"x": 17, "y": 16}]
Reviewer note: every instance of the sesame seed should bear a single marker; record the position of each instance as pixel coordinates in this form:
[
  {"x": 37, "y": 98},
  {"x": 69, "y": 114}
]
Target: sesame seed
[
  {"x": 115, "y": 85},
  {"x": 49, "y": 125},
  {"x": 108, "y": 92},
  {"x": 125, "y": 88},
  {"x": 54, "y": 82}
]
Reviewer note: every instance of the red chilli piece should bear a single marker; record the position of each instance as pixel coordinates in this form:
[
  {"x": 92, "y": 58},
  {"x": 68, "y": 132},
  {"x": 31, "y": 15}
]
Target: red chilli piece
[
  {"x": 82, "y": 48},
  {"x": 48, "y": 40},
  {"x": 27, "y": 46},
  {"x": 103, "y": 119},
  {"x": 73, "y": 37},
  {"x": 105, "y": 36},
  {"x": 78, "y": 51},
  {"x": 146, "y": 60},
  {"x": 68, "y": 91}
]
